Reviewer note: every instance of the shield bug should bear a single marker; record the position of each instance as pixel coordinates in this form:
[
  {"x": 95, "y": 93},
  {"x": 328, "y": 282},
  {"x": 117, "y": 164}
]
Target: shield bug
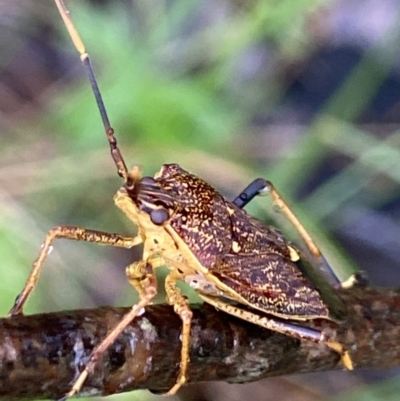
[{"x": 234, "y": 262}]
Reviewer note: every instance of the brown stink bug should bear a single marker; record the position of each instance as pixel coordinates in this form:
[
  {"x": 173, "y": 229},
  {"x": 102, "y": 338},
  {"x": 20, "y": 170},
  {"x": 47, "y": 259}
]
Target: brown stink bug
[{"x": 234, "y": 262}]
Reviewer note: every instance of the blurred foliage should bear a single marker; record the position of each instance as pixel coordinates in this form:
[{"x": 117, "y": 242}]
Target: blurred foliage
[
  {"x": 388, "y": 391},
  {"x": 187, "y": 82}
]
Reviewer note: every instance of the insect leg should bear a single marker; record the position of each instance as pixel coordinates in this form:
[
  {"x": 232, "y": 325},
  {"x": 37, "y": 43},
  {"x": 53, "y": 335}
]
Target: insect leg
[
  {"x": 181, "y": 307},
  {"x": 261, "y": 187},
  {"x": 250, "y": 192},
  {"x": 73, "y": 233},
  {"x": 144, "y": 273},
  {"x": 281, "y": 326}
]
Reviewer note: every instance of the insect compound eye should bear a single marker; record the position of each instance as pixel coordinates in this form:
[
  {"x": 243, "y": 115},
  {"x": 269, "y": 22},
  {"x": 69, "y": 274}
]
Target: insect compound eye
[{"x": 159, "y": 216}]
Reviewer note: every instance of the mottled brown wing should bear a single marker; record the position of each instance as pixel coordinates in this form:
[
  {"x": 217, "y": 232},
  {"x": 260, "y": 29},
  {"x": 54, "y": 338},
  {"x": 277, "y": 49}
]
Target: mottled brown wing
[
  {"x": 199, "y": 214},
  {"x": 272, "y": 283},
  {"x": 253, "y": 237}
]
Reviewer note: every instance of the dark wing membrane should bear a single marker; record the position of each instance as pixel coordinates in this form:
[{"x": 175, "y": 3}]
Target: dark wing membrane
[{"x": 271, "y": 283}]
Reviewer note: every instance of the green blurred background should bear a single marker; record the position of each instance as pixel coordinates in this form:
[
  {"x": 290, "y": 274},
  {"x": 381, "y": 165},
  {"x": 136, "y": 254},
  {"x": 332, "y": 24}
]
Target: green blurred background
[{"x": 305, "y": 93}]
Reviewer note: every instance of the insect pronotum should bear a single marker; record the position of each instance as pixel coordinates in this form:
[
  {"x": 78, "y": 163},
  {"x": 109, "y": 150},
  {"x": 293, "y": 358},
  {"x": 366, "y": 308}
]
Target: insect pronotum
[{"x": 234, "y": 262}]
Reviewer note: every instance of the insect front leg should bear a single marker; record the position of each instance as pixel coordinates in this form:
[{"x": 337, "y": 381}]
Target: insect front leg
[
  {"x": 142, "y": 274},
  {"x": 73, "y": 233},
  {"x": 281, "y": 326}
]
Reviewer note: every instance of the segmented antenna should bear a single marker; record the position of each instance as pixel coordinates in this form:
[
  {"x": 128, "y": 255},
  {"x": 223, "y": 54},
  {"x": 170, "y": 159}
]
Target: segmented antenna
[{"x": 77, "y": 41}]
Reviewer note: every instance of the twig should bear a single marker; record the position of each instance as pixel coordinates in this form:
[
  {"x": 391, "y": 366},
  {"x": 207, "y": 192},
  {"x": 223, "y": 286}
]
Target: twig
[{"x": 41, "y": 354}]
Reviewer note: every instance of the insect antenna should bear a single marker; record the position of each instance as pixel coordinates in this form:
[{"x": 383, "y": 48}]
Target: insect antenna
[{"x": 130, "y": 178}]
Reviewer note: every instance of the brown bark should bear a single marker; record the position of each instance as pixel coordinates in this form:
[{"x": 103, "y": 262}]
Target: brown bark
[{"x": 41, "y": 354}]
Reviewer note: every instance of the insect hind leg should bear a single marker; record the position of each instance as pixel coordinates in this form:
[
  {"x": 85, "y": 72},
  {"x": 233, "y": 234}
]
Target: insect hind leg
[
  {"x": 263, "y": 187},
  {"x": 281, "y": 326}
]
